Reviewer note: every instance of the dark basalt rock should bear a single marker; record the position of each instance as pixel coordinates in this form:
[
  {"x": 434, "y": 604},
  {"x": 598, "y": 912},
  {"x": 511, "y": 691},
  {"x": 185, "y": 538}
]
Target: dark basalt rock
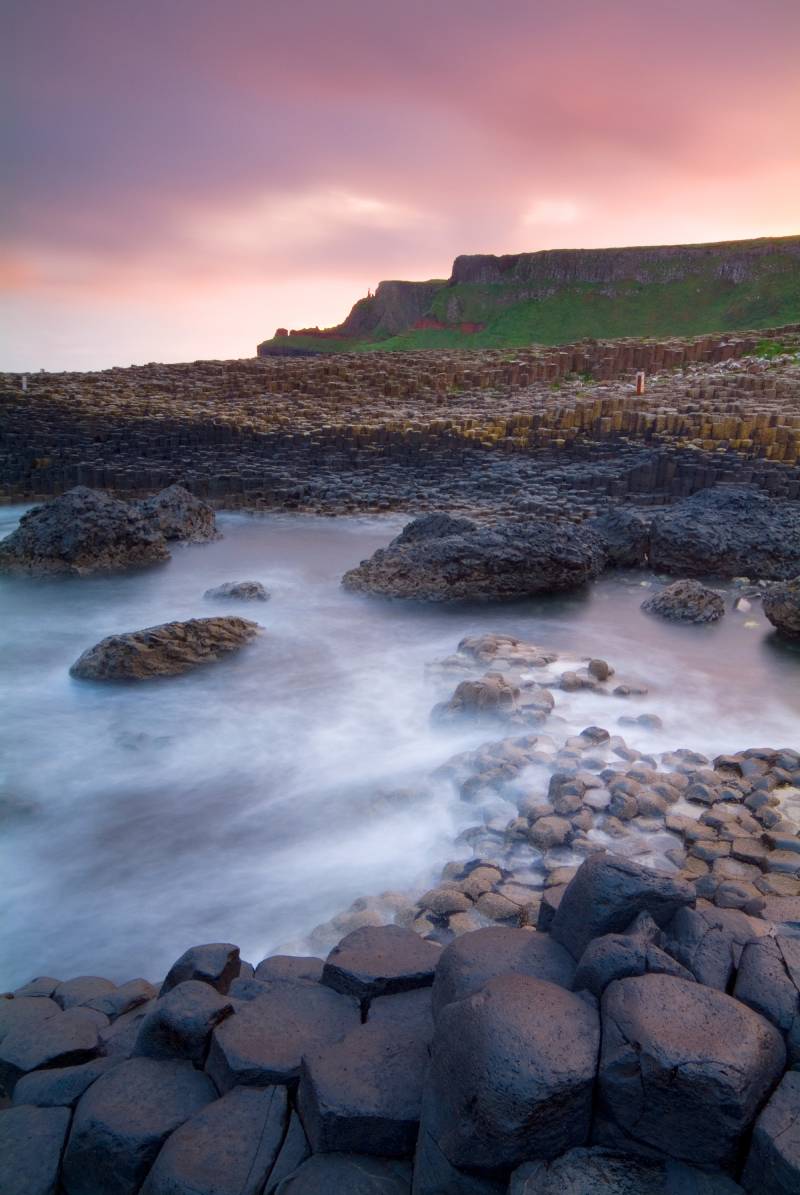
[
  {"x": 512, "y": 1073},
  {"x": 625, "y": 537},
  {"x": 179, "y": 515},
  {"x": 25, "y": 1012},
  {"x": 62, "y": 1086},
  {"x": 31, "y": 1141},
  {"x": 434, "y": 1174},
  {"x": 181, "y": 1022},
  {"x": 619, "y": 956},
  {"x": 216, "y": 963},
  {"x": 596, "y": 1170},
  {"x": 81, "y": 990},
  {"x": 686, "y": 601},
  {"x": 324, "y": 1174},
  {"x": 229, "y": 1147},
  {"x": 62, "y": 1040},
  {"x": 165, "y": 650},
  {"x": 43, "y": 985},
  {"x": 82, "y": 531},
  {"x": 709, "y": 942},
  {"x": 467, "y": 965},
  {"x": 245, "y": 591},
  {"x": 507, "y": 560},
  {"x": 768, "y": 980},
  {"x": 781, "y": 605},
  {"x": 124, "y": 998},
  {"x": 380, "y": 960},
  {"x": 605, "y": 896},
  {"x": 409, "y": 1011},
  {"x": 123, "y": 1120},
  {"x": 773, "y": 1164},
  {"x": 292, "y": 967},
  {"x": 684, "y": 1068},
  {"x": 728, "y": 531},
  {"x": 293, "y": 1153}
]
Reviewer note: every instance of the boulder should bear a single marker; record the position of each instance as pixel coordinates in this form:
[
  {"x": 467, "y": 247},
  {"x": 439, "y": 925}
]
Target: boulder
[
  {"x": 709, "y": 942},
  {"x": 229, "y": 1147},
  {"x": 409, "y": 1011},
  {"x": 293, "y": 1153},
  {"x": 25, "y": 1011},
  {"x": 434, "y": 1174},
  {"x": 181, "y": 1022},
  {"x": 215, "y": 963},
  {"x": 63, "y": 1040},
  {"x": 625, "y": 537},
  {"x": 82, "y": 531},
  {"x": 42, "y": 985},
  {"x": 124, "y": 998},
  {"x": 683, "y": 1069},
  {"x": 119, "y": 1039},
  {"x": 265, "y": 1040},
  {"x": 292, "y": 967},
  {"x": 177, "y": 514},
  {"x": 768, "y": 980},
  {"x": 607, "y": 893},
  {"x": 165, "y": 650},
  {"x": 686, "y": 601},
  {"x": 773, "y": 1164},
  {"x": 324, "y": 1174},
  {"x": 243, "y": 591},
  {"x": 467, "y": 965},
  {"x": 512, "y": 1074},
  {"x": 81, "y": 990},
  {"x": 595, "y": 1170},
  {"x": 728, "y": 531},
  {"x": 378, "y": 960},
  {"x": 61, "y": 1086},
  {"x": 618, "y": 956},
  {"x": 31, "y": 1142},
  {"x": 506, "y": 560},
  {"x": 122, "y": 1121},
  {"x": 491, "y": 697},
  {"x": 781, "y": 604}
]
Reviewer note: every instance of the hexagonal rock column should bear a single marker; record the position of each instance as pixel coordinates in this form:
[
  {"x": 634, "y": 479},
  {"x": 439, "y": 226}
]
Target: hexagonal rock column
[
  {"x": 123, "y": 1120},
  {"x": 60, "y": 1086},
  {"x": 774, "y": 1161},
  {"x": 768, "y": 981},
  {"x": 512, "y": 1073},
  {"x": 597, "y": 1170},
  {"x": 348, "y": 1174},
  {"x": 683, "y": 1069},
  {"x": 468, "y": 964},
  {"x": 216, "y": 963},
  {"x": 180, "y": 1023},
  {"x": 63, "y": 1040},
  {"x": 380, "y": 960},
  {"x": 31, "y": 1141}
]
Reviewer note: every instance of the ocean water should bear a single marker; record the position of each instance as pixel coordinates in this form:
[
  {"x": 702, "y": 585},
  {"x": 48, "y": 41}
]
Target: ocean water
[{"x": 254, "y": 798}]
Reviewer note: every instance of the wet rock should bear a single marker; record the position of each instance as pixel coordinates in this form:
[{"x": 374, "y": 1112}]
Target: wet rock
[
  {"x": 292, "y": 967},
  {"x": 82, "y": 531},
  {"x": 684, "y": 1068},
  {"x": 607, "y": 893},
  {"x": 467, "y": 965},
  {"x": 31, "y": 1141},
  {"x": 773, "y": 1164},
  {"x": 595, "y": 1170},
  {"x": 600, "y": 670},
  {"x": 619, "y": 956},
  {"x": 490, "y": 697},
  {"x": 177, "y": 514},
  {"x": 507, "y": 560},
  {"x": 165, "y": 650},
  {"x": 265, "y": 1040},
  {"x": 505, "y": 649},
  {"x": 180, "y": 1023},
  {"x": 625, "y": 537},
  {"x": 380, "y": 960},
  {"x": 512, "y": 1073},
  {"x": 709, "y": 942},
  {"x": 686, "y": 601},
  {"x": 123, "y": 1120},
  {"x": 781, "y": 604},
  {"x": 245, "y": 591},
  {"x": 355, "y": 1174},
  {"x": 445, "y": 900},
  {"x": 768, "y": 980},
  {"x": 63, "y": 1040},
  {"x": 548, "y": 832},
  {"x": 227, "y": 1148}
]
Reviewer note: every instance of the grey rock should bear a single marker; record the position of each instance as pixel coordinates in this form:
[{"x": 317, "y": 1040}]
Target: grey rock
[
  {"x": 287, "y": 966},
  {"x": 244, "y": 591},
  {"x": 618, "y": 956},
  {"x": 686, "y": 601},
  {"x": 768, "y": 980},
  {"x": 43, "y": 985},
  {"x": 590, "y": 1171},
  {"x": 61, "y": 1086},
  {"x": 165, "y": 650},
  {"x": 773, "y": 1164},
  {"x": 215, "y": 963},
  {"x": 124, "y": 998},
  {"x": 434, "y": 1174},
  {"x": 293, "y": 1152},
  {"x": 409, "y": 1010},
  {"x": 181, "y": 1022},
  {"x": 177, "y": 514},
  {"x": 781, "y": 604},
  {"x": 63, "y": 1040},
  {"x": 625, "y": 537},
  {"x": 81, "y": 990},
  {"x": 31, "y": 1141},
  {"x": 380, "y": 960},
  {"x": 119, "y": 1039},
  {"x": 25, "y": 1011},
  {"x": 348, "y": 1174},
  {"x": 709, "y": 942}
]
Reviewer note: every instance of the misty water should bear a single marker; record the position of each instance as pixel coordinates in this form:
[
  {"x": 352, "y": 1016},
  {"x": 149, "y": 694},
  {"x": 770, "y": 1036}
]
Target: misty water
[{"x": 254, "y": 798}]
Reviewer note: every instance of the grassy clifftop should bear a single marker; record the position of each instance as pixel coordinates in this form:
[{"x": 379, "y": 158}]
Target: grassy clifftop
[{"x": 564, "y": 295}]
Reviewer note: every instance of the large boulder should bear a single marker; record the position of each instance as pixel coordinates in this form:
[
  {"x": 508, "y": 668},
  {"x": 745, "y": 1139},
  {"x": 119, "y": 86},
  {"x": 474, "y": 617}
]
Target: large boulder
[
  {"x": 599, "y": 1171},
  {"x": 506, "y": 560},
  {"x": 378, "y": 960},
  {"x": 618, "y": 956},
  {"x": 82, "y": 531},
  {"x": 165, "y": 650},
  {"x": 180, "y": 515},
  {"x": 768, "y": 980},
  {"x": 683, "y": 1069},
  {"x": 686, "y": 601},
  {"x": 123, "y": 1120},
  {"x": 709, "y": 941},
  {"x": 60, "y": 1086},
  {"x": 512, "y": 1074},
  {"x": 607, "y": 893},
  {"x": 180, "y": 1023},
  {"x": 63, "y": 1040},
  {"x": 625, "y": 537},
  {"x": 782, "y": 607},
  {"x": 25, "y": 1012},
  {"x": 31, "y": 1141},
  {"x": 80, "y": 990},
  {"x": 773, "y": 1164},
  {"x": 468, "y": 963},
  {"x": 728, "y": 531},
  {"x": 215, "y": 963}
]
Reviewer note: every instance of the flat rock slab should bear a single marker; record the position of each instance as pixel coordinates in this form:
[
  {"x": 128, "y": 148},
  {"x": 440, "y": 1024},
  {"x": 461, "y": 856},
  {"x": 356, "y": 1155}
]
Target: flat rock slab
[
  {"x": 264, "y": 1041},
  {"x": 63, "y": 1040},
  {"x": 773, "y": 1164},
  {"x": 31, "y": 1142},
  {"x": 684, "y": 1068},
  {"x": 592, "y": 1171},
  {"x": 467, "y": 965},
  {"x": 62, "y": 1086},
  {"x": 123, "y": 1120},
  {"x": 181, "y": 1022},
  {"x": 215, "y": 963},
  {"x": 165, "y": 650},
  {"x": 380, "y": 960},
  {"x": 227, "y": 1148},
  {"x": 352, "y": 1174}
]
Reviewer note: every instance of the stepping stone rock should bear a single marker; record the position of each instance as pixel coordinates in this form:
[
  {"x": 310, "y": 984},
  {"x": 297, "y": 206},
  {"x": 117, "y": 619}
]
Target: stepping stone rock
[
  {"x": 123, "y": 1120},
  {"x": 227, "y": 1148},
  {"x": 216, "y": 963},
  {"x": 348, "y": 1174},
  {"x": 264, "y": 1041},
  {"x": 512, "y": 1074},
  {"x": 61, "y": 1086},
  {"x": 180, "y": 1023},
  {"x": 684, "y": 1068},
  {"x": 81, "y": 990},
  {"x": 31, "y": 1142},
  {"x": 165, "y": 650},
  {"x": 245, "y": 591},
  {"x": 619, "y": 956},
  {"x": 768, "y": 981},
  {"x": 607, "y": 893},
  {"x": 63, "y": 1040},
  {"x": 773, "y": 1164},
  {"x": 380, "y": 960},
  {"x": 596, "y": 1170},
  {"x": 467, "y": 965}
]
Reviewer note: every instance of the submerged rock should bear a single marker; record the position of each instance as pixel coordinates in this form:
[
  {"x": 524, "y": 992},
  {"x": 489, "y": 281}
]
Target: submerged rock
[
  {"x": 165, "y": 650},
  {"x": 448, "y": 559},
  {"x": 686, "y": 601},
  {"x": 245, "y": 591},
  {"x": 180, "y": 515},
  {"x": 782, "y": 607}
]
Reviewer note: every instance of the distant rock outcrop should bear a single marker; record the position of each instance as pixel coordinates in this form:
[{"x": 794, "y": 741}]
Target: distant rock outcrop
[{"x": 165, "y": 650}]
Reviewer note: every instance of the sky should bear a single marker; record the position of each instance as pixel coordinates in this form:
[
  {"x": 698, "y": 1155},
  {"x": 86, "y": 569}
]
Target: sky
[{"x": 181, "y": 177}]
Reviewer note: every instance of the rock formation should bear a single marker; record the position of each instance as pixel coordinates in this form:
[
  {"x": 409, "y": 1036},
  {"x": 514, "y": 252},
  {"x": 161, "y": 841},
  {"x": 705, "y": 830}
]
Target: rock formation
[
  {"x": 686, "y": 601},
  {"x": 781, "y": 604},
  {"x": 165, "y": 650}
]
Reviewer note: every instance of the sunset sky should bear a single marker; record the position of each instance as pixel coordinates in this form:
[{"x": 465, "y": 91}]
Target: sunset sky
[{"x": 180, "y": 177}]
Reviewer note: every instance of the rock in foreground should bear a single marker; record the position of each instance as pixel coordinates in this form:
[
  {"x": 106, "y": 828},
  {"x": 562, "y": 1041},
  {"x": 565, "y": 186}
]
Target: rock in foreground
[
  {"x": 686, "y": 601},
  {"x": 782, "y": 607},
  {"x": 165, "y": 650},
  {"x": 437, "y": 558}
]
